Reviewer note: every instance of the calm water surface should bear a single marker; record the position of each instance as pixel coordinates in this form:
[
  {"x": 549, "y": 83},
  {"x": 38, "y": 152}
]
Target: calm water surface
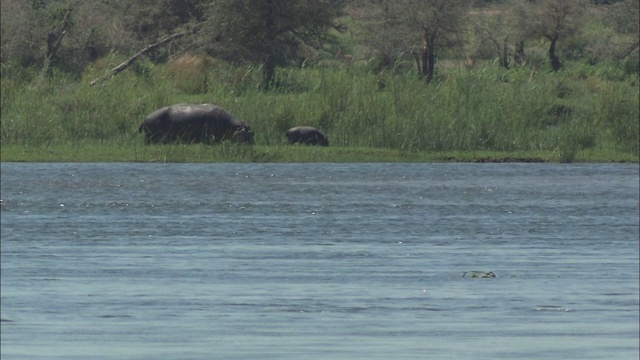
[{"x": 319, "y": 261}]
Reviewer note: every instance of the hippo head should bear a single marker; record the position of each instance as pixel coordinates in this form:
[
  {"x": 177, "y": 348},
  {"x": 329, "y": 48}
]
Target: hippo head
[
  {"x": 325, "y": 141},
  {"x": 243, "y": 135}
]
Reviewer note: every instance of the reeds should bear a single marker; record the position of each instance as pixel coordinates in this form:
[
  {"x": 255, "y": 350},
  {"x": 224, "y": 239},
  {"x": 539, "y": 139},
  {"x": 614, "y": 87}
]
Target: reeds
[{"x": 480, "y": 109}]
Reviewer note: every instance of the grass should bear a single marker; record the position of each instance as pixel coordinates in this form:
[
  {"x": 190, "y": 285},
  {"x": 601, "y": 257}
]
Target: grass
[
  {"x": 279, "y": 154},
  {"x": 483, "y": 114}
]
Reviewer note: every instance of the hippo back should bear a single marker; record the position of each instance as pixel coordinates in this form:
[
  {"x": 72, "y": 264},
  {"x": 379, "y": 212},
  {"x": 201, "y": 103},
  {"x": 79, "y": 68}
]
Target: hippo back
[
  {"x": 196, "y": 115},
  {"x": 189, "y": 123},
  {"x": 306, "y": 135}
]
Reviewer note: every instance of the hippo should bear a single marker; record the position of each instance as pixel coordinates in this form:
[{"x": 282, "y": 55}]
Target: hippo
[
  {"x": 479, "y": 274},
  {"x": 306, "y": 135},
  {"x": 194, "y": 123}
]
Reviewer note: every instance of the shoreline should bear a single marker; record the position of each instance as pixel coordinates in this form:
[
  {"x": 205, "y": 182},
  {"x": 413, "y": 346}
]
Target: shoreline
[{"x": 225, "y": 153}]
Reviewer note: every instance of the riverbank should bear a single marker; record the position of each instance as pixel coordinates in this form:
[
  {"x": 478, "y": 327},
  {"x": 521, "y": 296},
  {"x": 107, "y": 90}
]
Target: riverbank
[
  {"x": 198, "y": 153},
  {"x": 488, "y": 114}
]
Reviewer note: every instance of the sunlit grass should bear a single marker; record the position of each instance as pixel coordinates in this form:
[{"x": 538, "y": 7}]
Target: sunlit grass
[{"x": 368, "y": 116}]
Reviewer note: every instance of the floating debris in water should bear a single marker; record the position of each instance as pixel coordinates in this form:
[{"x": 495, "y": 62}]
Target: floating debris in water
[
  {"x": 552, "y": 308},
  {"x": 479, "y": 274}
]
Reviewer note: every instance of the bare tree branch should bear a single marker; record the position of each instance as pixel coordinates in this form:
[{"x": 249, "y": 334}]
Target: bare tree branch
[{"x": 135, "y": 57}]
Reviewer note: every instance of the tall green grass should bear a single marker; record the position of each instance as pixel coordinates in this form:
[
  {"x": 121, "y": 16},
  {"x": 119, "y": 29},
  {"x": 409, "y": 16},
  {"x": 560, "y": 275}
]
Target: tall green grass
[{"x": 463, "y": 110}]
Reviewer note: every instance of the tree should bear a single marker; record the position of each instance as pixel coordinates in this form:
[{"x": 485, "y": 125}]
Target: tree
[
  {"x": 625, "y": 20},
  {"x": 61, "y": 34},
  {"x": 441, "y": 27},
  {"x": 151, "y": 20},
  {"x": 488, "y": 29},
  {"x": 54, "y": 38},
  {"x": 423, "y": 27},
  {"x": 382, "y": 31},
  {"x": 269, "y": 32},
  {"x": 26, "y": 26},
  {"x": 551, "y": 20}
]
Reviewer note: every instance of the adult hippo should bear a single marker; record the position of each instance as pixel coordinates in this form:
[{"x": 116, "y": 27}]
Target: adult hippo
[
  {"x": 306, "y": 135},
  {"x": 193, "y": 123}
]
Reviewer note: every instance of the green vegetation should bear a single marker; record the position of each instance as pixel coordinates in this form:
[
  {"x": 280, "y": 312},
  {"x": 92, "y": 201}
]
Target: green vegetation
[
  {"x": 489, "y": 109},
  {"x": 108, "y": 152},
  {"x": 372, "y": 110}
]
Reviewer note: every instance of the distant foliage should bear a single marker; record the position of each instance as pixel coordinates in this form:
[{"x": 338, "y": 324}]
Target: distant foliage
[
  {"x": 271, "y": 33},
  {"x": 420, "y": 28},
  {"x": 384, "y": 34},
  {"x": 551, "y": 20},
  {"x": 150, "y": 20}
]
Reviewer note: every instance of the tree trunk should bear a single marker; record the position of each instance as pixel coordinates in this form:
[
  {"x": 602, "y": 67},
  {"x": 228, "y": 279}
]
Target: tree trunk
[
  {"x": 504, "y": 59},
  {"x": 269, "y": 71},
  {"x": 428, "y": 56},
  {"x": 555, "y": 61},
  {"x": 518, "y": 56},
  {"x": 417, "y": 57},
  {"x": 53, "y": 43},
  {"x": 269, "y": 62}
]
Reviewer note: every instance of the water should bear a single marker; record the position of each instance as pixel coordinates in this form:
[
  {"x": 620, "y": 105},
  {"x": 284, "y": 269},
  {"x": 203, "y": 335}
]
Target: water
[{"x": 319, "y": 261}]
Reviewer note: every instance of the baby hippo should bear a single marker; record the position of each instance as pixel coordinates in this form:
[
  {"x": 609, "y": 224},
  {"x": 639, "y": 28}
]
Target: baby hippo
[{"x": 306, "y": 135}]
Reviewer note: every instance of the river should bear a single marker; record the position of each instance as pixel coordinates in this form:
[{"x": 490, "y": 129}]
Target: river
[{"x": 319, "y": 261}]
